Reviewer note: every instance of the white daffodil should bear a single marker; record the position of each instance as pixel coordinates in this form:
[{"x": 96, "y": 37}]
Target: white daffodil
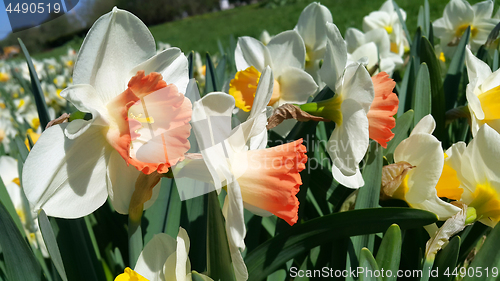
[
  {"x": 163, "y": 259},
  {"x": 137, "y": 119},
  {"x": 376, "y": 46},
  {"x": 483, "y": 92},
  {"x": 354, "y": 93},
  {"x": 472, "y": 176},
  {"x": 264, "y": 181},
  {"x": 285, "y": 55},
  {"x": 10, "y": 177},
  {"x": 423, "y": 152},
  {"x": 312, "y": 29},
  {"x": 265, "y": 37},
  {"x": 457, "y": 16},
  {"x": 387, "y": 18}
]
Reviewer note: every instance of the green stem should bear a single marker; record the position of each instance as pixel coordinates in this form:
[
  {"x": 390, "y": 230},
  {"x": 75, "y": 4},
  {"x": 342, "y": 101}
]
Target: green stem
[{"x": 134, "y": 240}]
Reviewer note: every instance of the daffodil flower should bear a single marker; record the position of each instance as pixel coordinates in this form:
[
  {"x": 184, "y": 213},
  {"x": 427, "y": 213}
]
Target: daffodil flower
[
  {"x": 483, "y": 93},
  {"x": 457, "y": 16},
  {"x": 376, "y": 46},
  {"x": 423, "y": 151},
  {"x": 386, "y": 18},
  {"x": 354, "y": 94},
  {"x": 312, "y": 29},
  {"x": 472, "y": 175},
  {"x": 264, "y": 181},
  {"x": 137, "y": 119},
  {"x": 163, "y": 259},
  {"x": 285, "y": 55}
]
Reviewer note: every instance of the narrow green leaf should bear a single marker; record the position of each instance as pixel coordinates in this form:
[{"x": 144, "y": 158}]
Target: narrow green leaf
[
  {"x": 496, "y": 57},
  {"x": 273, "y": 253},
  {"x": 211, "y": 80},
  {"x": 446, "y": 259},
  {"x": 219, "y": 264},
  {"x": 194, "y": 221},
  {"x": 221, "y": 71},
  {"x": 21, "y": 148},
  {"x": 403, "y": 124},
  {"x": 369, "y": 265},
  {"x": 368, "y": 196},
  {"x": 402, "y": 21},
  {"x": 455, "y": 70},
  {"x": 488, "y": 256},
  {"x": 135, "y": 243},
  {"x": 438, "y": 106},
  {"x": 20, "y": 262},
  {"x": 190, "y": 59},
  {"x": 153, "y": 221},
  {"x": 427, "y": 20},
  {"x": 421, "y": 20},
  {"x": 41, "y": 106},
  {"x": 422, "y": 97},
  {"x": 405, "y": 91},
  {"x": 174, "y": 208},
  {"x": 389, "y": 252},
  {"x": 50, "y": 241},
  {"x": 470, "y": 237}
]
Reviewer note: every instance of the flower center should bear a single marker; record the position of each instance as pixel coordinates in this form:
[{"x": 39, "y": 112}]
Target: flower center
[
  {"x": 448, "y": 184},
  {"x": 462, "y": 28},
  {"x": 388, "y": 28},
  {"x": 244, "y": 86},
  {"x": 486, "y": 202},
  {"x": 490, "y": 103},
  {"x": 403, "y": 188}
]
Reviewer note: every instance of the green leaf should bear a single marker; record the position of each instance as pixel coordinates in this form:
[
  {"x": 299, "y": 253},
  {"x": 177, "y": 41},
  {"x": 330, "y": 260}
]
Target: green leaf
[
  {"x": 487, "y": 257},
  {"x": 219, "y": 264},
  {"x": 369, "y": 265},
  {"x": 427, "y": 21},
  {"x": 211, "y": 80},
  {"x": 446, "y": 259},
  {"x": 190, "y": 64},
  {"x": 173, "y": 219},
  {"x": 421, "y": 20},
  {"x": 402, "y": 21},
  {"x": 403, "y": 124},
  {"x": 422, "y": 96},
  {"x": 21, "y": 148},
  {"x": 389, "y": 252},
  {"x": 368, "y": 196},
  {"x": 20, "y": 262},
  {"x": 438, "y": 107},
  {"x": 405, "y": 91},
  {"x": 455, "y": 70},
  {"x": 470, "y": 237},
  {"x": 194, "y": 221},
  {"x": 273, "y": 253},
  {"x": 50, "y": 241},
  {"x": 153, "y": 221},
  {"x": 221, "y": 71},
  {"x": 41, "y": 106}
]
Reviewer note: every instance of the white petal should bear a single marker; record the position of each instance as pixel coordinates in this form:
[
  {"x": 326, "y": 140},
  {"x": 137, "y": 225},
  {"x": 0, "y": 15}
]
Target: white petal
[
  {"x": 67, "y": 178},
  {"x": 423, "y": 151},
  {"x": 439, "y": 207},
  {"x": 8, "y": 169},
  {"x": 354, "y": 38},
  {"x": 348, "y": 143},
  {"x": 355, "y": 181},
  {"x": 263, "y": 93},
  {"x": 476, "y": 68},
  {"x": 312, "y": 25},
  {"x": 235, "y": 222},
  {"x": 369, "y": 51},
  {"x": 426, "y": 125},
  {"x": 458, "y": 12},
  {"x": 171, "y": 63},
  {"x": 239, "y": 266},
  {"x": 182, "y": 262},
  {"x": 335, "y": 56},
  {"x": 357, "y": 86},
  {"x": 296, "y": 86},
  {"x": 287, "y": 50},
  {"x": 121, "y": 184},
  {"x": 153, "y": 257},
  {"x": 483, "y": 9},
  {"x": 251, "y": 52},
  {"x": 117, "y": 42}
]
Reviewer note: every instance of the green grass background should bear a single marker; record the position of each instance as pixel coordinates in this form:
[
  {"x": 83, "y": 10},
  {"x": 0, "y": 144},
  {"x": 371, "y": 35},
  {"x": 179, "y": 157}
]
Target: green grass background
[{"x": 201, "y": 33}]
